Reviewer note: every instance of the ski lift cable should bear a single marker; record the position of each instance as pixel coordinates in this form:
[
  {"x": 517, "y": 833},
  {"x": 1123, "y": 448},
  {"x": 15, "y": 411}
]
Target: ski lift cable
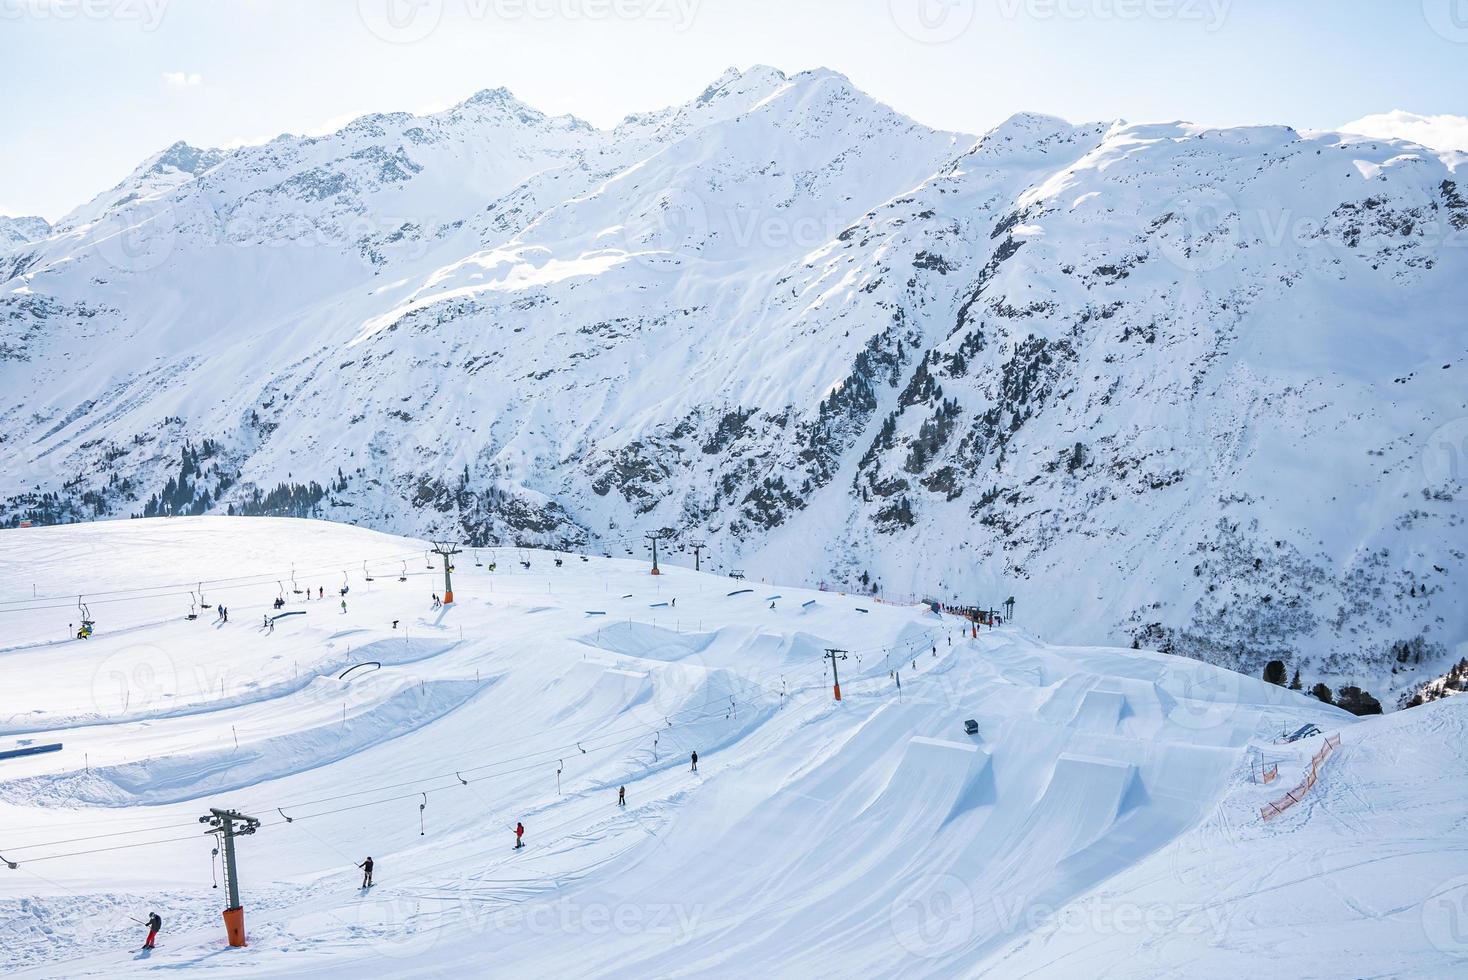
[
  {"x": 641, "y": 734},
  {"x": 173, "y": 588}
]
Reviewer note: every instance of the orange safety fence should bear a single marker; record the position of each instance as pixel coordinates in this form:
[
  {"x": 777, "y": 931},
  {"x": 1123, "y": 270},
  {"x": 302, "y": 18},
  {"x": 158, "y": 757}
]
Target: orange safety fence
[{"x": 1317, "y": 761}]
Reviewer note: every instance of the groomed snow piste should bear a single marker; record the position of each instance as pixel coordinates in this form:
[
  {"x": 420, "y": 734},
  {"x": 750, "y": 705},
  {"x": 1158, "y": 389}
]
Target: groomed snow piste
[{"x": 1104, "y": 821}]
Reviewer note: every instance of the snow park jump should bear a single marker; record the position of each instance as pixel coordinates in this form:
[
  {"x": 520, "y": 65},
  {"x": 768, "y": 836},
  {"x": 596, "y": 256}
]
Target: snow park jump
[{"x": 1006, "y": 782}]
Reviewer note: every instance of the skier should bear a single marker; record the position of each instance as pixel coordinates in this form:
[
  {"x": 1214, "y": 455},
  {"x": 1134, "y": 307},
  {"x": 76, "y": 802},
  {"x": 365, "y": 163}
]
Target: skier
[
  {"x": 366, "y": 867},
  {"x": 675, "y": 602},
  {"x": 695, "y": 763},
  {"x": 321, "y": 592},
  {"x": 621, "y": 796},
  {"x": 225, "y": 610},
  {"x": 519, "y": 835},
  {"x": 344, "y": 607},
  {"x": 154, "y": 924}
]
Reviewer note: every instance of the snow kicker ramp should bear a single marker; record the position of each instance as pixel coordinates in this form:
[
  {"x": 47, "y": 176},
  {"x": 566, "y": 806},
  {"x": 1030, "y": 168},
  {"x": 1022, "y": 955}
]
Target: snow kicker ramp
[{"x": 934, "y": 782}]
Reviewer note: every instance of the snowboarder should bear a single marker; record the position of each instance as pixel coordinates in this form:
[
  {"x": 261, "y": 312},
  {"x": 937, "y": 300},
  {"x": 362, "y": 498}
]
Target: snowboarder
[
  {"x": 366, "y": 867},
  {"x": 621, "y": 796},
  {"x": 695, "y": 763},
  {"x": 519, "y": 835},
  {"x": 154, "y": 924}
]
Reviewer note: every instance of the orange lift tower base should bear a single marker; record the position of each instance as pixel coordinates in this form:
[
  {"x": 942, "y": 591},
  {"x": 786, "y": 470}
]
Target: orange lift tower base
[
  {"x": 447, "y": 552},
  {"x": 834, "y": 655},
  {"x": 227, "y": 825}
]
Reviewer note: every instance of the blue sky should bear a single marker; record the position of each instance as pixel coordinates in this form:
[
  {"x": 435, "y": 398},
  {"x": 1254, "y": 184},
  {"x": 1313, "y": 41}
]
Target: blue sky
[{"x": 94, "y": 86}]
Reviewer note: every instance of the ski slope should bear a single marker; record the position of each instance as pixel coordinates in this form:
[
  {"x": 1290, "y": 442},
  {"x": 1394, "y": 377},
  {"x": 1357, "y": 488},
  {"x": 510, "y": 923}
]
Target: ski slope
[{"x": 1102, "y": 822}]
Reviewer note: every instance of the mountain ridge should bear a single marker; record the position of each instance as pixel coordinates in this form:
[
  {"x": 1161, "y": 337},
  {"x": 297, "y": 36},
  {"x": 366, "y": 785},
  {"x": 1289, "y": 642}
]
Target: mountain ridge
[{"x": 829, "y": 340}]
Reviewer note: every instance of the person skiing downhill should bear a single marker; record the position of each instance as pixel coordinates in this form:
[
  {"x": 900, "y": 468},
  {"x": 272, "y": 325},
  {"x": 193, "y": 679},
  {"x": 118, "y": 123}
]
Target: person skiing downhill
[
  {"x": 519, "y": 834},
  {"x": 366, "y": 867},
  {"x": 154, "y": 924}
]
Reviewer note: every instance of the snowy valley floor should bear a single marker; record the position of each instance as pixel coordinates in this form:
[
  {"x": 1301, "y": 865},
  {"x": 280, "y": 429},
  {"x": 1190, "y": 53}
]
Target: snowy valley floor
[{"x": 1103, "y": 822}]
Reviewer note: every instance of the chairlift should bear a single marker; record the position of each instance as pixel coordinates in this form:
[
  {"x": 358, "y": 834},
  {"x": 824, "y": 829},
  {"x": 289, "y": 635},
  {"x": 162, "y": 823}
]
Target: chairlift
[
  {"x": 294, "y": 587},
  {"x": 346, "y": 583},
  {"x": 404, "y": 576},
  {"x": 87, "y": 623},
  {"x": 366, "y": 574},
  {"x": 428, "y": 561},
  {"x": 202, "y": 603},
  {"x": 193, "y": 612},
  {"x": 477, "y": 562}
]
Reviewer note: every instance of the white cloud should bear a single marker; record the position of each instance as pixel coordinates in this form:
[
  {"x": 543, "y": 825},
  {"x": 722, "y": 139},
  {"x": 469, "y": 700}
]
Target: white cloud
[
  {"x": 183, "y": 79},
  {"x": 1434, "y": 132}
]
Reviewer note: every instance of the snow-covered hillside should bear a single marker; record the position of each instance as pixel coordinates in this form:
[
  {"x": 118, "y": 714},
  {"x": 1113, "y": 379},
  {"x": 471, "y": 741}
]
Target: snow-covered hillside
[
  {"x": 1103, "y": 820},
  {"x": 1187, "y": 388}
]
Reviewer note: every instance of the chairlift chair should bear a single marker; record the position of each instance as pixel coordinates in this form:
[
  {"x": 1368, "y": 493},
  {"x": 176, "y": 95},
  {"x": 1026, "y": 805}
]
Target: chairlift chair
[
  {"x": 366, "y": 574},
  {"x": 404, "y": 576},
  {"x": 87, "y": 622},
  {"x": 294, "y": 587},
  {"x": 477, "y": 562},
  {"x": 202, "y": 603},
  {"x": 193, "y": 612}
]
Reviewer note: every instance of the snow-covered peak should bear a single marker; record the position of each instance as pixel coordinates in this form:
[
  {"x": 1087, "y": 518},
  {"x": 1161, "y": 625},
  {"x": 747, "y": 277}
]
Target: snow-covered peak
[
  {"x": 1447, "y": 133},
  {"x": 15, "y": 232}
]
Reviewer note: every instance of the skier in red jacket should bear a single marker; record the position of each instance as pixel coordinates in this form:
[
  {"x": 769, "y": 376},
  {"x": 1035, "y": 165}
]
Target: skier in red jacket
[{"x": 519, "y": 833}]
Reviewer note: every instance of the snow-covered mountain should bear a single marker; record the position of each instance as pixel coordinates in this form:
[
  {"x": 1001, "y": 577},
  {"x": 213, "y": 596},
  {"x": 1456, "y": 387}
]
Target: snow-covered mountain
[
  {"x": 15, "y": 232},
  {"x": 1188, "y": 388}
]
